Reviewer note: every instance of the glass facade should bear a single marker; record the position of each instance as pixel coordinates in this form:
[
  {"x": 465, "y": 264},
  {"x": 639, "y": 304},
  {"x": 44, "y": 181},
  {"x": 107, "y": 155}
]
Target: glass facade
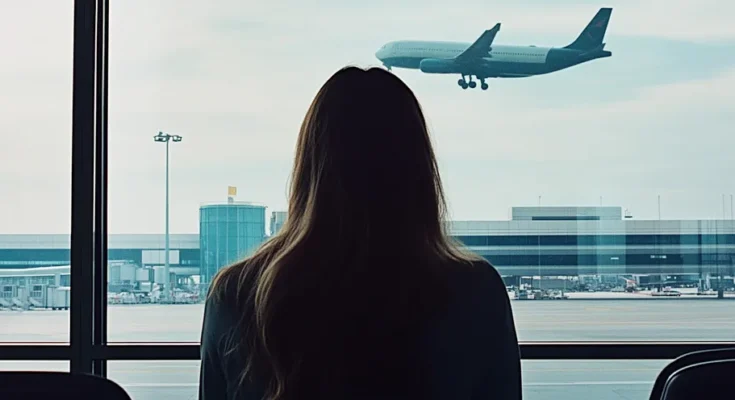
[
  {"x": 41, "y": 257},
  {"x": 278, "y": 218},
  {"x": 227, "y": 240},
  {"x": 597, "y": 240},
  {"x": 33, "y": 257},
  {"x": 227, "y": 233},
  {"x": 571, "y": 255}
]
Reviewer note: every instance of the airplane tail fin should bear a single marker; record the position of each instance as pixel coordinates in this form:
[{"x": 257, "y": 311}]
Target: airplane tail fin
[{"x": 592, "y": 36}]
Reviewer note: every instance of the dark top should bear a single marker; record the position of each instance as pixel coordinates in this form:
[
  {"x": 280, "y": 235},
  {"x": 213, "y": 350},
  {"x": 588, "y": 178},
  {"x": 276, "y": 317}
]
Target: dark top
[{"x": 473, "y": 347}]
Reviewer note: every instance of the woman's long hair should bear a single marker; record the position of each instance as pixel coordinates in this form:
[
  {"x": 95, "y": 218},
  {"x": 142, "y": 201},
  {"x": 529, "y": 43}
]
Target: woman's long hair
[{"x": 336, "y": 302}]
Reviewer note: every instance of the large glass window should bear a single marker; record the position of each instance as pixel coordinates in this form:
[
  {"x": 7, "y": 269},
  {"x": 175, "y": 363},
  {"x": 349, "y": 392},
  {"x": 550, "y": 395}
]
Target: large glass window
[
  {"x": 599, "y": 379},
  {"x": 600, "y": 191},
  {"x": 153, "y": 380},
  {"x": 542, "y": 380},
  {"x": 570, "y": 182},
  {"x": 35, "y": 171},
  {"x": 60, "y": 366}
]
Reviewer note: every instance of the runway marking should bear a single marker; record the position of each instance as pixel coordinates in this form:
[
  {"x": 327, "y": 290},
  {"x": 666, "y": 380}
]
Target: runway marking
[
  {"x": 610, "y": 308},
  {"x": 157, "y": 385},
  {"x": 590, "y": 383},
  {"x": 195, "y": 369},
  {"x": 656, "y": 370},
  {"x": 532, "y": 384},
  {"x": 624, "y": 323}
]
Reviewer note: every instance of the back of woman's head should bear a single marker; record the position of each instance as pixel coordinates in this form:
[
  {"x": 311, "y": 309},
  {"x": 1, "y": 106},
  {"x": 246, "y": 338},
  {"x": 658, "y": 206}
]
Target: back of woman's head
[
  {"x": 334, "y": 302},
  {"x": 365, "y": 168}
]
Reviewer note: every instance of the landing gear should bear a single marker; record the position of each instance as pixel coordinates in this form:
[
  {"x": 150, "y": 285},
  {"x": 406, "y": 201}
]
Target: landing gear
[{"x": 465, "y": 83}]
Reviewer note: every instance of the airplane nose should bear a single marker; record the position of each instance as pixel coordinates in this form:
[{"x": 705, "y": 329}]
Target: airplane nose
[{"x": 379, "y": 54}]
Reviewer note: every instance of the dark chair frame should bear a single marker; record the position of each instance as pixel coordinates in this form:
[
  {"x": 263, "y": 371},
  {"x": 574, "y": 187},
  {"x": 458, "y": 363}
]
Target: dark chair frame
[
  {"x": 32, "y": 385},
  {"x": 685, "y": 361},
  {"x": 691, "y": 381}
]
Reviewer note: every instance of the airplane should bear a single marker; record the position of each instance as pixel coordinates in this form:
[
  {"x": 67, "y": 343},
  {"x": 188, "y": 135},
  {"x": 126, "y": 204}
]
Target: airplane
[{"x": 484, "y": 60}]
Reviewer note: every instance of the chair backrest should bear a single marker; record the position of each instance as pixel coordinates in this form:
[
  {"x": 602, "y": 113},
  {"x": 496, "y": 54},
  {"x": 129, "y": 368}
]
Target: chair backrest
[
  {"x": 685, "y": 361},
  {"x": 53, "y": 385},
  {"x": 709, "y": 379}
]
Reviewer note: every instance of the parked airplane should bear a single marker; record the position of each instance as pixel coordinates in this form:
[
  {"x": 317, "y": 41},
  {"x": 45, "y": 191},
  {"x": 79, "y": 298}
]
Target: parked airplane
[{"x": 484, "y": 60}]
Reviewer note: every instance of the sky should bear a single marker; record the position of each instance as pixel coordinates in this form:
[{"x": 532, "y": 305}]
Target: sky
[{"x": 234, "y": 78}]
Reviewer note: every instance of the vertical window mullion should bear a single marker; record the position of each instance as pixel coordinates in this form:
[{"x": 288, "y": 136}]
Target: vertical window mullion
[
  {"x": 99, "y": 290},
  {"x": 82, "y": 187}
]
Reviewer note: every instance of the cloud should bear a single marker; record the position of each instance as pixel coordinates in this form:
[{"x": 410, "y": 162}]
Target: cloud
[
  {"x": 670, "y": 139},
  {"x": 708, "y": 20}
]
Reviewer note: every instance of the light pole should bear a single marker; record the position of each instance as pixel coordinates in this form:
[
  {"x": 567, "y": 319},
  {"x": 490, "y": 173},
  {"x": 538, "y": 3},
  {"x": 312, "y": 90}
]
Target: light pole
[{"x": 166, "y": 138}]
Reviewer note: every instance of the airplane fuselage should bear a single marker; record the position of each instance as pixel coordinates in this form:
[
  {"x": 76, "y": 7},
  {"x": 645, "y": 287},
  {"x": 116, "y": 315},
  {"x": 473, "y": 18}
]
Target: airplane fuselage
[{"x": 503, "y": 61}]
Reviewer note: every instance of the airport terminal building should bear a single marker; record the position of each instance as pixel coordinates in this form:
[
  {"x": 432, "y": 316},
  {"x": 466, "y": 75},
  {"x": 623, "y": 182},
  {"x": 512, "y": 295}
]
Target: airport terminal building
[
  {"x": 573, "y": 241},
  {"x": 536, "y": 241}
]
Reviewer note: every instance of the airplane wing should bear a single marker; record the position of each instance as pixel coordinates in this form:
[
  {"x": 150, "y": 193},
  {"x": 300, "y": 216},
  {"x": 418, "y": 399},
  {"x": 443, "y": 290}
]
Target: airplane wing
[{"x": 481, "y": 47}]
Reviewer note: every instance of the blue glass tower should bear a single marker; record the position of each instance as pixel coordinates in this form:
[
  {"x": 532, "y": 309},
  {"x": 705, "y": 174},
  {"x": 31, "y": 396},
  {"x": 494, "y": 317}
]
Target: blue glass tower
[{"x": 228, "y": 233}]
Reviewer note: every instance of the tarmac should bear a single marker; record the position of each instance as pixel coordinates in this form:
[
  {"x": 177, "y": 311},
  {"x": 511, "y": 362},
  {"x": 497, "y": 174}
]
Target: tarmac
[{"x": 536, "y": 320}]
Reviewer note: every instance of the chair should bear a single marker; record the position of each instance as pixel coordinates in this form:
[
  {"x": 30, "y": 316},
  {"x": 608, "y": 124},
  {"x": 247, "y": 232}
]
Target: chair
[
  {"x": 709, "y": 379},
  {"x": 685, "y": 361},
  {"x": 57, "y": 385}
]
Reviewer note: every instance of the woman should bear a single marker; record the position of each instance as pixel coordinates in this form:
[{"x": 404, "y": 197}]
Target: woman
[{"x": 361, "y": 295}]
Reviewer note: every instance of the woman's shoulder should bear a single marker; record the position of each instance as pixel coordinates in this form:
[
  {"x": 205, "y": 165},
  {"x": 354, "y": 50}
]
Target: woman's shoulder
[
  {"x": 478, "y": 288},
  {"x": 231, "y": 283},
  {"x": 478, "y": 273},
  {"x": 225, "y": 306}
]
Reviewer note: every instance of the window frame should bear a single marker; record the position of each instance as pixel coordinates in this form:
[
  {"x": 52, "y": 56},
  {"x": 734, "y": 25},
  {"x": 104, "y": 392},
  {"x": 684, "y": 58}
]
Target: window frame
[
  {"x": 86, "y": 100},
  {"x": 88, "y": 350},
  {"x": 646, "y": 350}
]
